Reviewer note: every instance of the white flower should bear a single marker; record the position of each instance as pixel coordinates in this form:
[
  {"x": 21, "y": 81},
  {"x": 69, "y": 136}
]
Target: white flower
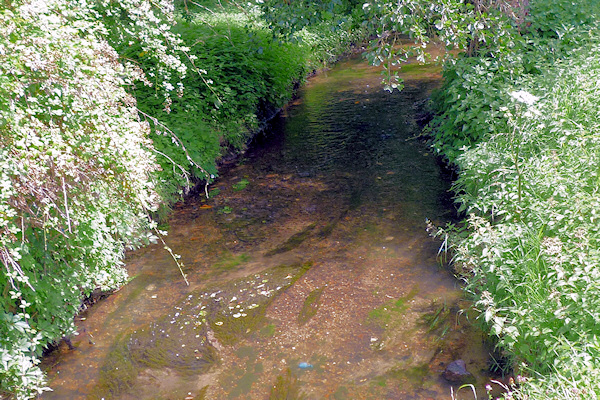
[{"x": 524, "y": 96}]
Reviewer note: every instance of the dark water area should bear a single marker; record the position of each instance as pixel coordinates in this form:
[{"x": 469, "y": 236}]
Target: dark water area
[{"x": 311, "y": 273}]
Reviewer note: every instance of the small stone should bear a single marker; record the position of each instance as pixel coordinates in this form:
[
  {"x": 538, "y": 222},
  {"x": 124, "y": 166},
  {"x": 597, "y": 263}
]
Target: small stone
[{"x": 456, "y": 372}]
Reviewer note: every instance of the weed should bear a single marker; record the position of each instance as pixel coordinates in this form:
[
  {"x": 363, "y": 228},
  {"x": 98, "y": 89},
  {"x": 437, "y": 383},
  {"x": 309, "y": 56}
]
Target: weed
[
  {"x": 229, "y": 262},
  {"x": 287, "y": 387},
  {"x": 438, "y": 321},
  {"x": 523, "y": 135},
  {"x": 225, "y": 210},
  {"x": 390, "y": 312},
  {"x": 293, "y": 242},
  {"x": 241, "y": 185}
]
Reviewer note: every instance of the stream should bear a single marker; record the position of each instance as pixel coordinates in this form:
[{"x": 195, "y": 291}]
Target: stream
[{"x": 311, "y": 272}]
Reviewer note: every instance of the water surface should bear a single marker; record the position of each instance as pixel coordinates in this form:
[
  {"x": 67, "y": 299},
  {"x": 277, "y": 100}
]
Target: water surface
[{"x": 311, "y": 272}]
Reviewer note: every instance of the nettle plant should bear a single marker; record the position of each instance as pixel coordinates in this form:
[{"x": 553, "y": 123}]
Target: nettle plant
[{"x": 76, "y": 166}]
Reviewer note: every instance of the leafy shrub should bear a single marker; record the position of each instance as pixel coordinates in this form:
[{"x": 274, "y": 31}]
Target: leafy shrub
[
  {"x": 75, "y": 172},
  {"x": 236, "y": 75},
  {"x": 469, "y": 102},
  {"x": 326, "y": 41},
  {"x": 467, "y": 106},
  {"x": 529, "y": 181}
]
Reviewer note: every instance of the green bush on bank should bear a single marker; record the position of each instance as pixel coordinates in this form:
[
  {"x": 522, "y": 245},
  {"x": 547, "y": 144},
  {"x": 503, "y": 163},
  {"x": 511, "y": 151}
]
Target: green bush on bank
[
  {"x": 75, "y": 177},
  {"x": 525, "y": 139},
  {"x": 237, "y": 71}
]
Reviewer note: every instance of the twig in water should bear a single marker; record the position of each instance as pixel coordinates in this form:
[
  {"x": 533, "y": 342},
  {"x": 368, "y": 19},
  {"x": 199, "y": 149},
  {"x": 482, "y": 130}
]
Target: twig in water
[{"x": 173, "y": 255}]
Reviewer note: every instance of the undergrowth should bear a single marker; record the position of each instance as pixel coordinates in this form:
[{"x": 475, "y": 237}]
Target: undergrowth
[
  {"x": 239, "y": 76},
  {"x": 524, "y": 136}
]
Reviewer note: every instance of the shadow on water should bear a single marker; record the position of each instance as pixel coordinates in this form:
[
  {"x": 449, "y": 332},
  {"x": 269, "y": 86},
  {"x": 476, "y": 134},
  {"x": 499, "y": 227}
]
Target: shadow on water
[{"x": 311, "y": 272}]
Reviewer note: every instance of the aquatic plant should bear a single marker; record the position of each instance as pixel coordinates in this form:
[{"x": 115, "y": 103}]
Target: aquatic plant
[
  {"x": 286, "y": 387},
  {"x": 310, "y": 306}
]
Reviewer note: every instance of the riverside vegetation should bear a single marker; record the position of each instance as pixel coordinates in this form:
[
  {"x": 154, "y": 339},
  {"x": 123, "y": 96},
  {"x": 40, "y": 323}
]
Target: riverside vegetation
[
  {"x": 517, "y": 118},
  {"x": 523, "y": 134},
  {"x": 109, "y": 111}
]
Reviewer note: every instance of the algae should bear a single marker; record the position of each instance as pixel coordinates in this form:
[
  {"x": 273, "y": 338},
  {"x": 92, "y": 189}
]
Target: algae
[
  {"x": 229, "y": 262},
  {"x": 389, "y": 313},
  {"x": 241, "y": 185},
  {"x": 341, "y": 393},
  {"x": 293, "y": 242},
  {"x": 187, "y": 340},
  {"x": 438, "y": 320},
  {"x": 310, "y": 306},
  {"x": 249, "y": 299},
  {"x": 286, "y": 387},
  {"x": 405, "y": 376}
]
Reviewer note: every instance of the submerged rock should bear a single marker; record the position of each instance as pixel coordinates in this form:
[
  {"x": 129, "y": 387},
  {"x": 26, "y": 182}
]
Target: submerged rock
[{"x": 456, "y": 372}]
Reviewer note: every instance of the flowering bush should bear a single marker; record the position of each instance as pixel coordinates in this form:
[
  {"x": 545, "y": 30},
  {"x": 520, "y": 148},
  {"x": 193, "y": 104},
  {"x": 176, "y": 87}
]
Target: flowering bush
[{"x": 76, "y": 169}]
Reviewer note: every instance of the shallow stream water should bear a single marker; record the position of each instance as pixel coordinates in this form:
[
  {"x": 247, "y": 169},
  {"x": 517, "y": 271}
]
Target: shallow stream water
[{"x": 311, "y": 272}]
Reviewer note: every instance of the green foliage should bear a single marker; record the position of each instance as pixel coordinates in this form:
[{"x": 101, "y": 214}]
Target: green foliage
[
  {"x": 237, "y": 77},
  {"x": 469, "y": 102},
  {"x": 559, "y": 18},
  {"x": 476, "y": 27},
  {"x": 245, "y": 67},
  {"x": 145, "y": 25},
  {"x": 469, "y": 105},
  {"x": 525, "y": 143},
  {"x": 326, "y": 41},
  {"x": 286, "y": 18},
  {"x": 75, "y": 172},
  {"x": 241, "y": 185}
]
